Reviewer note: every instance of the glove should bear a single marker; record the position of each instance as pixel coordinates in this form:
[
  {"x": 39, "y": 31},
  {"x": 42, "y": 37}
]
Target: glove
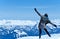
[
  {"x": 55, "y": 25},
  {"x": 35, "y": 9}
]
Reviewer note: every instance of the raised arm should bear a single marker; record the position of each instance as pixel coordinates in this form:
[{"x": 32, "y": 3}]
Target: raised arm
[{"x": 37, "y": 12}]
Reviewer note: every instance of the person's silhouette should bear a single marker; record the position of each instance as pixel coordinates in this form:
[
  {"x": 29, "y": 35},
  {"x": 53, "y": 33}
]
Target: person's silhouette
[{"x": 42, "y": 24}]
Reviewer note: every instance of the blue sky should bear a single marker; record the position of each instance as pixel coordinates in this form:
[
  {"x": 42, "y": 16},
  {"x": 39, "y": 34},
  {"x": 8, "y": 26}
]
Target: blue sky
[{"x": 24, "y": 9}]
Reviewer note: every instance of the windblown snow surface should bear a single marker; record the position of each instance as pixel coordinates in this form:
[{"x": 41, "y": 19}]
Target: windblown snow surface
[{"x": 53, "y": 36}]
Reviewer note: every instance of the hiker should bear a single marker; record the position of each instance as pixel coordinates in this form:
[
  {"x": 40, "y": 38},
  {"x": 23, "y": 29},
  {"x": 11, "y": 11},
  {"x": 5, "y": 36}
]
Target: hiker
[{"x": 43, "y": 22}]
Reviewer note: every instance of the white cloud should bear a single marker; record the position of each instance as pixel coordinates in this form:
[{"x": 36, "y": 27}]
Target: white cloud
[
  {"x": 17, "y": 22},
  {"x": 24, "y": 22}
]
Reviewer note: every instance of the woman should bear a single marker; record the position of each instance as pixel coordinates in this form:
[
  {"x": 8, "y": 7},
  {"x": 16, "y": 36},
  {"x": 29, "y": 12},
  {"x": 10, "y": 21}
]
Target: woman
[{"x": 42, "y": 24}]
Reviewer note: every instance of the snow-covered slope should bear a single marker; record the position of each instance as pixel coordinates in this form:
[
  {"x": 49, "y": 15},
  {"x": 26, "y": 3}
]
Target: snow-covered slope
[{"x": 53, "y": 36}]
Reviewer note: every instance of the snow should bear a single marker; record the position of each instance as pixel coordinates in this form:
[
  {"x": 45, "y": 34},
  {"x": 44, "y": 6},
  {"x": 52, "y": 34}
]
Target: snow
[
  {"x": 53, "y": 36},
  {"x": 20, "y": 32},
  {"x": 30, "y": 26}
]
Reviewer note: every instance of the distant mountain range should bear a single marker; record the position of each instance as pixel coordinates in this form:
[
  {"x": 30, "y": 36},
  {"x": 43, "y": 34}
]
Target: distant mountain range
[{"x": 27, "y": 27}]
